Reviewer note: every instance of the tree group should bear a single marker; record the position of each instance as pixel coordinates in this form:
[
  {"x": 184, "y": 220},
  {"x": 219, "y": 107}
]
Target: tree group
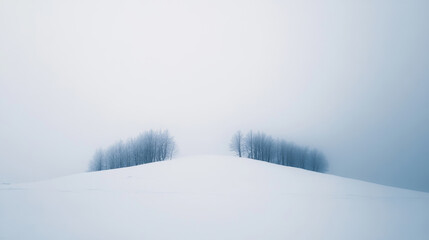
[
  {"x": 260, "y": 146},
  {"x": 150, "y": 146}
]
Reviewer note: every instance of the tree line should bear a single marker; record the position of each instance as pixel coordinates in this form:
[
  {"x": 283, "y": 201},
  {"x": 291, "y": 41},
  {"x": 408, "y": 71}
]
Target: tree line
[
  {"x": 260, "y": 146},
  {"x": 150, "y": 146},
  {"x": 153, "y": 146}
]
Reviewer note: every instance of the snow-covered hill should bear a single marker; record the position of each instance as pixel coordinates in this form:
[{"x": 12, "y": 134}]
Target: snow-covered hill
[{"x": 210, "y": 197}]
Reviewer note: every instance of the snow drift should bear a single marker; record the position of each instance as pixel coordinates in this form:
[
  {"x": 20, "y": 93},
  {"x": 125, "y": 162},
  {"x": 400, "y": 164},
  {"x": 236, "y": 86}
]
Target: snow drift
[{"x": 210, "y": 197}]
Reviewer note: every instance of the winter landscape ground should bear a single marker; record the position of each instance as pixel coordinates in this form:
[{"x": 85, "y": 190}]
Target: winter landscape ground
[{"x": 210, "y": 197}]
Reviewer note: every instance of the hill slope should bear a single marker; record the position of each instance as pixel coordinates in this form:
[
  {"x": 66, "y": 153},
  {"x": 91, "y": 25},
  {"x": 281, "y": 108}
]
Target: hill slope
[{"x": 210, "y": 197}]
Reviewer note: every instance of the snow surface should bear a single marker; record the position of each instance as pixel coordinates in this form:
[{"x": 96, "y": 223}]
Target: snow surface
[{"x": 210, "y": 197}]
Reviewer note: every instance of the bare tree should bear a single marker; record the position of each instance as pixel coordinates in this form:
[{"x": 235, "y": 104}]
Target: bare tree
[
  {"x": 97, "y": 163},
  {"x": 320, "y": 164},
  {"x": 259, "y": 146},
  {"x": 249, "y": 145},
  {"x": 237, "y": 143}
]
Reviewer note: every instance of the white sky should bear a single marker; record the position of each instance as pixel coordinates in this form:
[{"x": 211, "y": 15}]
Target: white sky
[{"x": 348, "y": 77}]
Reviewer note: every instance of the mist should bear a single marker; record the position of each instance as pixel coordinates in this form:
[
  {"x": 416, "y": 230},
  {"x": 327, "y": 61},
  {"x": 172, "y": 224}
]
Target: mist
[{"x": 347, "y": 77}]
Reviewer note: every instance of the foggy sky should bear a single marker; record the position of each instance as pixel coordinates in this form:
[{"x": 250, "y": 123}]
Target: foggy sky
[{"x": 350, "y": 78}]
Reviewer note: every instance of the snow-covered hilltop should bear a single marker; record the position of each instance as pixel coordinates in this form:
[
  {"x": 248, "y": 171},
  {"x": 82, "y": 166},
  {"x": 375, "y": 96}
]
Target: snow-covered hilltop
[{"x": 210, "y": 197}]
